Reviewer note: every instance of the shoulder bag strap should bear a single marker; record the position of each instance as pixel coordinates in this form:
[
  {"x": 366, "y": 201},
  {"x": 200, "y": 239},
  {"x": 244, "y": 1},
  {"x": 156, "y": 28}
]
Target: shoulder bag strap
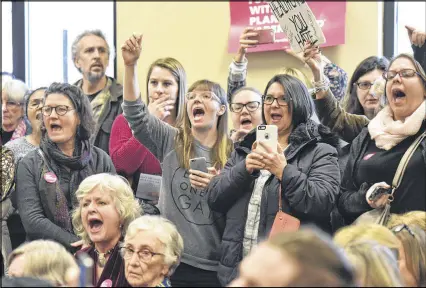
[{"x": 404, "y": 162}]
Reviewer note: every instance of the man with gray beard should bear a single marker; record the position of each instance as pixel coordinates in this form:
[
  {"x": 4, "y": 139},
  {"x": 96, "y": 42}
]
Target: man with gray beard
[{"x": 90, "y": 54}]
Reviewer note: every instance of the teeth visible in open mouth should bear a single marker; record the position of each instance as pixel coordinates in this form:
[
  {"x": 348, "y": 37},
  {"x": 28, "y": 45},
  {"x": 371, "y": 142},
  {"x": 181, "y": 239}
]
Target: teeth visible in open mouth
[{"x": 276, "y": 117}]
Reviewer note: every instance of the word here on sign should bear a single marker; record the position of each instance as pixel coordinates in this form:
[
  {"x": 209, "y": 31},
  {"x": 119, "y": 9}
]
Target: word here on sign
[{"x": 298, "y": 22}]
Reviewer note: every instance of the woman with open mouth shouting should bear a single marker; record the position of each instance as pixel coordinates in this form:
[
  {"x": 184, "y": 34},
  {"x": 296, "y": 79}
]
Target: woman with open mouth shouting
[
  {"x": 202, "y": 132},
  {"x": 377, "y": 151},
  {"x": 106, "y": 208},
  {"x": 304, "y": 166},
  {"x": 48, "y": 177}
]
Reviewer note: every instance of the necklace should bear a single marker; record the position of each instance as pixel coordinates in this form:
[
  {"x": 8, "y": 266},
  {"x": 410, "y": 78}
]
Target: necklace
[{"x": 101, "y": 257}]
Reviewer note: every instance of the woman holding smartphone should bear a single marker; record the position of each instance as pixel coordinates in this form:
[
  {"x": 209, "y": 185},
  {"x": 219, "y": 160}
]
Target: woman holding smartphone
[
  {"x": 200, "y": 133},
  {"x": 304, "y": 166}
]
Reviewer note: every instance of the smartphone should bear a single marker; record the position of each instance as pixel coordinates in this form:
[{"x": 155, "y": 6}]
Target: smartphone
[
  {"x": 264, "y": 36},
  {"x": 267, "y": 134},
  {"x": 85, "y": 262},
  {"x": 377, "y": 192},
  {"x": 199, "y": 164}
]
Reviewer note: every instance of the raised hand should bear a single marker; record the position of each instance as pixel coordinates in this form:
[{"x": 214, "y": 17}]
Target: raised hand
[
  {"x": 161, "y": 107},
  {"x": 131, "y": 50},
  {"x": 312, "y": 57},
  {"x": 239, "y": 134},
  {"x": 245, "y": 43},
  {"x": 417, "y": 37}
]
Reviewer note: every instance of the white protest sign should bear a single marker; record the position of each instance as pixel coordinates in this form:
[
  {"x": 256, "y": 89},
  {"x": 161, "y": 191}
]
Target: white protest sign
[
  {"x": 298, "y": 23},
  {"x": 148, "y": 187}
]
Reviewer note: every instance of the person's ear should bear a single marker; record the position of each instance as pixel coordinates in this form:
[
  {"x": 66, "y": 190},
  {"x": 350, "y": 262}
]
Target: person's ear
[{"x": 221, "y": 110}]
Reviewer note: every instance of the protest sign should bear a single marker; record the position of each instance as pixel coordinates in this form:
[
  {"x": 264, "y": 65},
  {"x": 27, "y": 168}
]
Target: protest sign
[
  {"x": 148, "y": 187},
  {"x": 330, "y": 17},
  {"x": 298, "y": 23}
]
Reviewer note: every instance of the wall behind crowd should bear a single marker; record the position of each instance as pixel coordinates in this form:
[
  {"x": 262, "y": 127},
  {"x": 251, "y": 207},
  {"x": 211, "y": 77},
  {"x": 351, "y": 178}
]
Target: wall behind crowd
[{"x": 196, "y": 34}]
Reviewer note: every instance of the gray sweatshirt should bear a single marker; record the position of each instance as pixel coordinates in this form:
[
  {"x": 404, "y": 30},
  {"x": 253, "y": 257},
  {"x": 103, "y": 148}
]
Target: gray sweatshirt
[{"x": 185, "y": 206}]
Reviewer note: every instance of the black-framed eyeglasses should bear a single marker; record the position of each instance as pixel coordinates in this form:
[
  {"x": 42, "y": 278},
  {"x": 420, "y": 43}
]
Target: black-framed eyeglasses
[
  {"x": 250, "y": 106},
  {"x": 401, "y": 227},
  {"x": 61, "y": 110},
  {"x": 144, "y": 255},
  {"x": 404, "y": 73},
  {"x": 282, "y": 101}
]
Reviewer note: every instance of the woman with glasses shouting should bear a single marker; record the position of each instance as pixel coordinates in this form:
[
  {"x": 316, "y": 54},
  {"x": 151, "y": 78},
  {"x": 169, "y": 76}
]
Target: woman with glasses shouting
[
  {"x": 152, "y": 251},
  {"x": 48, "y": 177},
  {"x": 303, "y": 166},
  {"x": 106, "y": 206},
  {"x": 245, "y": 111},
  {"x": 13, "y": 124},
  {"x": 377, "y": 151},
  {"x": 201, "y": 133}
]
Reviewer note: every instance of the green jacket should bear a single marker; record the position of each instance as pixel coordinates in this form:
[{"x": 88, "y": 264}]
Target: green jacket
[{"x": 332, "y": 115}]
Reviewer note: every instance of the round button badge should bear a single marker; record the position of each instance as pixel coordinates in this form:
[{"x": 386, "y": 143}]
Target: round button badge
[
  {"x": 107, "y": 283},
  {"x": 50, "y": 177}
]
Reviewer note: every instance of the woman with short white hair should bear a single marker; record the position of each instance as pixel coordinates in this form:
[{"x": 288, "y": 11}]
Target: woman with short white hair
[
  {"x": 13, "y": 125},
  {"x": 42, "y": 259},
  {"x": 158, "y": 246},
  {"x": 106, "y": 208}
]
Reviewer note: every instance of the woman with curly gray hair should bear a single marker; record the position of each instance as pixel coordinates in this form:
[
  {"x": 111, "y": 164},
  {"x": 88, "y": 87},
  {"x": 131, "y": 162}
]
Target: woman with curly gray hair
[
  {"x": 106, "y": 208},
  {"x": 48, "y": 177},
  {"x": 158, "y": 248}
]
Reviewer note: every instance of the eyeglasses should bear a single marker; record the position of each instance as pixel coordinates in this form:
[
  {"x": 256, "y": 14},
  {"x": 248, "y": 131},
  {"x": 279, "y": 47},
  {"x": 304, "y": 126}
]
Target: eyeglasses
[
  {"x": 282, "y": 101},
  {"x": 401, "y": 227},
  {"x": 250, "y": 106},
  {"x": 36, "y": 103},
  {"x": 404, "y": 73},
  {"x": 61, "y": 110},
  {"x": 364, "y": 85},
  {"x": 11, "y": 104},
  {"x": 144, "y": 255},
  {"x": 205, "y": 96}
]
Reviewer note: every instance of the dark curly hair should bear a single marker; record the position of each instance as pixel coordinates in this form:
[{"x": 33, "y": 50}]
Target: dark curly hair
[{"x": 81, "y": 105}]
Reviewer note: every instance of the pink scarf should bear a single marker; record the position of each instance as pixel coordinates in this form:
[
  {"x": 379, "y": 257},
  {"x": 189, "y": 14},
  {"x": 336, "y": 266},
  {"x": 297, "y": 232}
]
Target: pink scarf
[
  {"x": 387, "y": 133},
  {"x": 20, "y": 130}
]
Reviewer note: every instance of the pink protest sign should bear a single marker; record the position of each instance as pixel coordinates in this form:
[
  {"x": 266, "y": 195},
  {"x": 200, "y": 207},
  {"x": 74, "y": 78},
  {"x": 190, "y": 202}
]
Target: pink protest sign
[{"x": 330, "y": 17}]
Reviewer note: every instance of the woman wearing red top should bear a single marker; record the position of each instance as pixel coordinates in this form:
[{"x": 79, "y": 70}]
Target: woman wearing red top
[{"x": 166, "y": 88}]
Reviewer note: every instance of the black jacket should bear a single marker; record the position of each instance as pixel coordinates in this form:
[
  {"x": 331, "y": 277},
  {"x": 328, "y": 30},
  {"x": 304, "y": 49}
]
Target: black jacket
[
  {"x": 104, "y": 125},
  {"x": 310, "y": 186},
  {"x": 37, "y": 198},
  {"x": 352, "y": 203}
]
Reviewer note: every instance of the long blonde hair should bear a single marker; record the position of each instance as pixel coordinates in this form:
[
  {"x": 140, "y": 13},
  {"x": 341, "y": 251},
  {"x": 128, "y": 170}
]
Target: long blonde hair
[
  {"x": 375, "y": 264},
  {"x": 176, "y": 69},
  {"x": 184, "y": 139},
  {"x": 366, "y": 232},
  {"x": 413, "y": 239}
]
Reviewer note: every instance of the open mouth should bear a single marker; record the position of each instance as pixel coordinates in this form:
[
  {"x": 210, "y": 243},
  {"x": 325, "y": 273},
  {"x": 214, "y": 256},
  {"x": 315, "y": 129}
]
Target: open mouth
[
  {"x": 246, "y": 122},
  {"x": 55, "y": 127},
  {"x": 198, "y": 113},
  {"x": 95, "y": 225},
  {"x": 276, "y": 117},
  {"x": 398, "y": 95}
]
